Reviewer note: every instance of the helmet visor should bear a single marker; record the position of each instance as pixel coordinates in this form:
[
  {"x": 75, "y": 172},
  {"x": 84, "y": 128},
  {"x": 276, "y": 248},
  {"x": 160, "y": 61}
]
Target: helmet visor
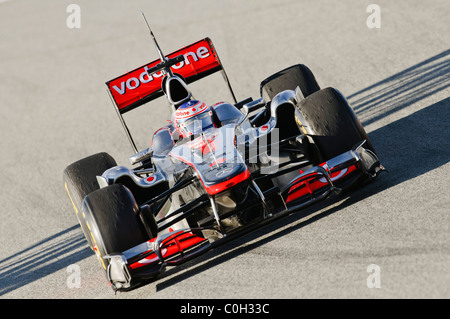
[{"x": 197, "y": 123}]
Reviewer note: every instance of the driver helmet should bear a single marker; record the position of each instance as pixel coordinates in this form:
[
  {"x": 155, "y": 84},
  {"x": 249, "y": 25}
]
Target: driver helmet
[{"x": 192, "y": 117}]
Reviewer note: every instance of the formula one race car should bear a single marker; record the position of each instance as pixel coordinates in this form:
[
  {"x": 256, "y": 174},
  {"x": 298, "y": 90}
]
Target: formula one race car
[{"x": 216, "y": 170}]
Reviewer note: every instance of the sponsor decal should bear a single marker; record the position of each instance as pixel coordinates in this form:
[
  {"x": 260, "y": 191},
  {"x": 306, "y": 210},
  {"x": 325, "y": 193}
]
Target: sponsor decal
[
  {"x": 190, "y": 109},
  {"x": 127, "y": 89},
  {"x": 223, "y": 172}
]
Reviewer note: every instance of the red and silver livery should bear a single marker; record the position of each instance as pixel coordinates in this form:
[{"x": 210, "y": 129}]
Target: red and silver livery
[{"x": 214, "y": 172}]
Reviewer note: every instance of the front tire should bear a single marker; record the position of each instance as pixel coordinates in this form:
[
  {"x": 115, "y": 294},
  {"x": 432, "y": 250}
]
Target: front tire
[
  {"x": 331, "y": 123},
  {"x": 80, "y": 179},
  {"x": 112, "y": 217}
]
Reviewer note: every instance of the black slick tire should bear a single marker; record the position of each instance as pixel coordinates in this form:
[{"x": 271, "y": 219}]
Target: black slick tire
[
  {"x": 112, "y": 217},
  {"x": 331, "y": 123},
  {"x": 80, "y": 180},
  {"x": 288, "y": 79}
]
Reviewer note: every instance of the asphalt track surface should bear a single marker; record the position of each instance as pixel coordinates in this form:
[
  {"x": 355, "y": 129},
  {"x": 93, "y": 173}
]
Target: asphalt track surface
[{"x": 55, "y": 110}]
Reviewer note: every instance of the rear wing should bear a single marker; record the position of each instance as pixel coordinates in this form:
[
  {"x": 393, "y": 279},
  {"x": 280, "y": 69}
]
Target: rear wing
[{"x": 140, "y": 86}]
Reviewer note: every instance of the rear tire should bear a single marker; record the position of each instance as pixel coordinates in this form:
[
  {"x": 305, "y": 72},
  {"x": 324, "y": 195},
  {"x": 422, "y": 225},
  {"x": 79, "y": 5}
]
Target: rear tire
[
  {"x": 112, "y": 217},
  {"x": 80, "y": 180},
  {"x": 331, "y": 123},
  {"x": 288, "y": 79}
]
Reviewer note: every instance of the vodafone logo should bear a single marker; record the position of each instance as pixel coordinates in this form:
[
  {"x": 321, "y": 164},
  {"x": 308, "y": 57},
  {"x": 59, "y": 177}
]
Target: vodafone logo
[
  {"x": 133, "y": 83},
  {"x": 199, "y": 59},
  {"x": 191, "y": 108}
]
